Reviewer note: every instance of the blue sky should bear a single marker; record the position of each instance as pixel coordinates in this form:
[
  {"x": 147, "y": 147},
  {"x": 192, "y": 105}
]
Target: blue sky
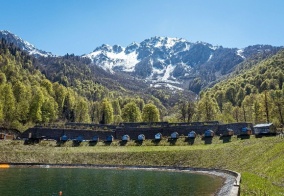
[{"x": 79, "y": 26}]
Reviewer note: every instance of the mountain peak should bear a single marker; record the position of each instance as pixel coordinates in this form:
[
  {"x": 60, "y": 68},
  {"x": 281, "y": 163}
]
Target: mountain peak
[
  {"x": 159, "y": 41},
  {"x": 22, "y": 44}
]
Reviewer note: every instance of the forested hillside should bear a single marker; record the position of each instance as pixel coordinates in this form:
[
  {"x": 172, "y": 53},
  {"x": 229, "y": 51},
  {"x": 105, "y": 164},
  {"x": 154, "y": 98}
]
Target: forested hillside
[
  {"x": 61, "y": 89},
  {"x": 71, "y": 89},
  {"x": 96, "y": 84},
  {"x": 27, "y": 97},
  {"x": 255, "y": 95}
]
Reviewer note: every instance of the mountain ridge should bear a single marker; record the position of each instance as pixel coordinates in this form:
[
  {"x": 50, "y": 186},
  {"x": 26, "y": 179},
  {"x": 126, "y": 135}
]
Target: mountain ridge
[
  {"x": 22, "y": 44},
  {"x": 173, "y": 63}
]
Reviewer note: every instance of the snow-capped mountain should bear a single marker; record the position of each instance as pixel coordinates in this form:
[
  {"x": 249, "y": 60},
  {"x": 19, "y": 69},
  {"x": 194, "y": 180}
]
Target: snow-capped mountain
[
  {"x": 172, "y": 61},
  {"x": 158, "y": 59},
  {"x": 23, "y": 45}
]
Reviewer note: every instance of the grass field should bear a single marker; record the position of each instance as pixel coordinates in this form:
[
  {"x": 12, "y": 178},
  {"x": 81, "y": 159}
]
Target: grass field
[{"x": 259, "y": 160}]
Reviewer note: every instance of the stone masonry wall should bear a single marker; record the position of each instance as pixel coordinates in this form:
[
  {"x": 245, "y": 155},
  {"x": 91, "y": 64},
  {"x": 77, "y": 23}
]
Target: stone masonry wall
[{"x": 133, "y": 132}]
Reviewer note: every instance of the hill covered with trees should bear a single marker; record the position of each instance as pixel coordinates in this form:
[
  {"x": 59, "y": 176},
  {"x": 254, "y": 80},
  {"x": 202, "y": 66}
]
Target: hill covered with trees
[
  {"x": 67, "y": 89},
  {"x": 254, "y": 94},
  {"x": 71, "y": 89}
]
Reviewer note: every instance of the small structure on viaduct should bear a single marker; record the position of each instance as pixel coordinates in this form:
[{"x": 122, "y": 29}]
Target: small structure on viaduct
[{"x": 89, "y": 131}]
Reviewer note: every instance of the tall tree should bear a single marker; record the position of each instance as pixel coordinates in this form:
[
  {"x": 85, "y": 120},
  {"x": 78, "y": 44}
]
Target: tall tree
[
  {"x": 106, "y": 112},
  {"x": 9, "y": 104},
  {"x": 220, "y": 98},
  {"x": 23, "y": 95},
  {"x": 68, "y": 110},
  {"x": 131, "y": 112},
  {"x": 247, "y": 108},
  {"x": 183, "y": 110},
  {"x": 227, "y": 116},
  {"x": 190, "y": 110},
  {"x": 256, "y": 111},
  {"x": 237, "y": 114},
  {"x": 116, "y": 107},
  {"x": 150, "y": 113},
  {"x": 207, "y": 108},
  {"x": 266, "y": 105},
  {"x": 36, "y": 104},
  {"x": 81, "y": 110},
  {"x": 60, "y": 93},
  {"x": 278, "y": 102}
]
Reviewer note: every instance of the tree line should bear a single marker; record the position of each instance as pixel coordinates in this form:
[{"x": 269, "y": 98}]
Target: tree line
[
  {"x": 27, "y": 97},
  {"x": 255, "y": 95},
  {"x": 30, "y": 95}
]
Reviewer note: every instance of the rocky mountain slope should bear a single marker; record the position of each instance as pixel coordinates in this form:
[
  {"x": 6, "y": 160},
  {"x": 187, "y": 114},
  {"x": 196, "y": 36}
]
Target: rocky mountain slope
[
  {"x": 163, "y": 62},
  {"x": 23, "y": 45},
  {"x": 175, "y": 62}
]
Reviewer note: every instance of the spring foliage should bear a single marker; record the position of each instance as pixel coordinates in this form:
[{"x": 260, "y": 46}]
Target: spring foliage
[{"x": 69, "y": 91}]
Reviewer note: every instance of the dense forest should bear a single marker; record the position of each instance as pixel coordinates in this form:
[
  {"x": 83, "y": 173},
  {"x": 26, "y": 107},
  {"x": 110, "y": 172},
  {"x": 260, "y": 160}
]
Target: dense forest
[
  {"x": 71, "y": 89},
  {"x": 31, "y": 94},
  {"x": 255, "y": 95}
]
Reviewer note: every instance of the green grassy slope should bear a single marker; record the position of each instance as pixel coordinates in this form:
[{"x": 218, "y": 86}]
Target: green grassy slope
[{"x": 260, "y": 161}]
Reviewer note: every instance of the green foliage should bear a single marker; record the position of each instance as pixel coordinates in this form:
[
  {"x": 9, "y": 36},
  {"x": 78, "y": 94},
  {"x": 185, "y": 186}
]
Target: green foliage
[
  {"x": 36, "y": 104},
  {"x": 131, "y": 112},
  {"x": 207, "y": 108},
  {"x": 70, "y": 88},
  {"x": 186, "y": 111},
  {"x": 81, "y": 110},
  {"x": 9, "y": 102},
  {"x": 2, "y": 78},
  {"x": 23, "y": 95},
  {"x": 27, "y": 97},
  {"x": 277, "y": 98},
  {"x": 150, "y": 113},
  {"x": 256, "y": 94},
  {"x": 106, "y": 112}
]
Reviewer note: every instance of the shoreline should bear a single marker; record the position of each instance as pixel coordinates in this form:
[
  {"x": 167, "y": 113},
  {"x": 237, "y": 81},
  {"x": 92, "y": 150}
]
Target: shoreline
[{"x": 230, "y": 187}]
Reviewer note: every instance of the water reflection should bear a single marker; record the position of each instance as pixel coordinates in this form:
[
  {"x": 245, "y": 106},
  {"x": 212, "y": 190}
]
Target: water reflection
[{"x": 78, "y": 181}]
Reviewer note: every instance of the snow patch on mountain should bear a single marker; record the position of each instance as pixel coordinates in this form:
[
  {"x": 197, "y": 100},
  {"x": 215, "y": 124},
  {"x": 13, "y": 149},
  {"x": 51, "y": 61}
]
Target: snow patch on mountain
[
  {"x": 240, "y": 53},
  {"x": 168, "y": 62},
  {"x": 161, "y": 61},
  {"x": 114, "y": 59},
  {"x": 23, "y": 45}
]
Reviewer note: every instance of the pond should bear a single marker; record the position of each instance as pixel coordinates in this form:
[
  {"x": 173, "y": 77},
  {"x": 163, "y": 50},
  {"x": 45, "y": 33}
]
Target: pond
[{"x": 90, "y": 181}]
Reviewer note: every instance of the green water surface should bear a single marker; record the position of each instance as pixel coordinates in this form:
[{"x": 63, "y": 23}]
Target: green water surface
[{"x": 89, "y": 182}]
